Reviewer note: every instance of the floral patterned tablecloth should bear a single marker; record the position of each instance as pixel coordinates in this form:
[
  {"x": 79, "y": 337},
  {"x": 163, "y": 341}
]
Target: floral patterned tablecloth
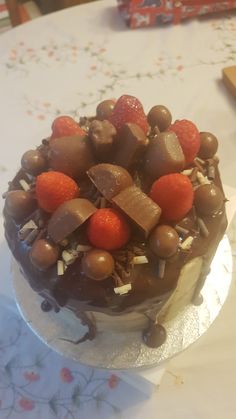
[{"x": 65, "y": 63}]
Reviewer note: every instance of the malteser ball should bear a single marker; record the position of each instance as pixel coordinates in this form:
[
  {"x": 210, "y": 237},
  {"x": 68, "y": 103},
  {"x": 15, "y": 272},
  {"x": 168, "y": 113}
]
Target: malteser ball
[
  {"x": 208, "y": 199},
  {"x": 208, "y": 145},
  {"x": 104, "y": 109},
  {"x": 97, "y": 264},
  {"x": 33, "y": 162},
  {"x": 154, "y": 336},
  {"x": 164, "y": 241},
  {"x": 44, "y": 254},
  {"x": 159, "y": 116},
  {"x": 19, "y": 204}
]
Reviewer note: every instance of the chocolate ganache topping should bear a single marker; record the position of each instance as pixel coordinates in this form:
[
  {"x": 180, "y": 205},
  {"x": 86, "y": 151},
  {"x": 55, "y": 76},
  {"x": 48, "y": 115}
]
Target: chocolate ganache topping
[{"x": 105, "y": 213}]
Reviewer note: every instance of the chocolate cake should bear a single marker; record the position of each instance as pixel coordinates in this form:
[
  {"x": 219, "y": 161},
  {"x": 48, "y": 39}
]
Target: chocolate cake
[{"x": 117, "y": 217}]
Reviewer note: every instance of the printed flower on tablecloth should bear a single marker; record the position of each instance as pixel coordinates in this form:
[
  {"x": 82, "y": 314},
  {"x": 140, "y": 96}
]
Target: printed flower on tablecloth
[
  {"x": 26, "y": 404},
  {"x": 113, "y": 381},
  {"x": 31, "y": 376},
  {"x": 66, "y": 375}
]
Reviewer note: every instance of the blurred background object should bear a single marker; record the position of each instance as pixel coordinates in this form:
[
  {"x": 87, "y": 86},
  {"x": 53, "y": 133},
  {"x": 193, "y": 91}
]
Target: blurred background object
[{"x": 15, "y": 12}]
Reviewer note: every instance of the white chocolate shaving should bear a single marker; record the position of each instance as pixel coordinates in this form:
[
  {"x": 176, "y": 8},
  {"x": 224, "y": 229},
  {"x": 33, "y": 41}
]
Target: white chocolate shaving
[
  {"x": 124, "y": 289},
  {"x": 202, "y": 179},
  {"x": 69, "y": 257},
  {"x": 187, "y": 243},
  {"x": 200, "y": 160},
  {"x": 82, "y": 248},
  {"x": 29, "y": 226},
  {"x": 24, "y": 185},
  {"x": 60, "y": 267},
  {"x": 187, "y": 172},
  {"x": 139, "y": 260}
]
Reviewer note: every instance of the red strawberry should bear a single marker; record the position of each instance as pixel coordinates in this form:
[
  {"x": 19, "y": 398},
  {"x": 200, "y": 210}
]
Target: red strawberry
[
  {"x": 174, "y": 194},
  {"x": 188, "y": 136},
  {"x": 128, "y": 109},
  {"x": 54, "y": 188},
  {"x": 108, "y": 229},
  {"x": 65, "y": 126}
]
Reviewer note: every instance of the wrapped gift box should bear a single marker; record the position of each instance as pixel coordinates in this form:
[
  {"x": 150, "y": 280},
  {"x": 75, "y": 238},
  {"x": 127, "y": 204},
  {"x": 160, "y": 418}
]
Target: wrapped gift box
[{"x": 140, "y": 13}]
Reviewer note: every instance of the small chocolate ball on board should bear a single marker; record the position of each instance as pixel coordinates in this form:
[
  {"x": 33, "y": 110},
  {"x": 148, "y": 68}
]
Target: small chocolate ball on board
[{"x": 154, "y": 336}]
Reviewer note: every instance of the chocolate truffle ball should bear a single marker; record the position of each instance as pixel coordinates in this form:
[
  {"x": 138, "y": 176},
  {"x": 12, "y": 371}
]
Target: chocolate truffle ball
[
  {"x": 71, "y": 155},
  {"x": 208, "y": 145},
  {"x": 44, "y": 254},
  {"x": 208, "y": 199},
  {"x": 155, "y": 335},
  {"x": 104, "y": 109},
  {"x": 19, "y": 204},
  {"x": 164, "y": 241},
  {"x": 33, "y": 162},
  {"x": 159, "y": 116},
  {"x": 97, "y": 264}
]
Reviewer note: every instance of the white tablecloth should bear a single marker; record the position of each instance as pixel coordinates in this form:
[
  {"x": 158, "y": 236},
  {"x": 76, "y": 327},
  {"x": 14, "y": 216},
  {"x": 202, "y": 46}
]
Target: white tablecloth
[{"x": 66, "y": 63}]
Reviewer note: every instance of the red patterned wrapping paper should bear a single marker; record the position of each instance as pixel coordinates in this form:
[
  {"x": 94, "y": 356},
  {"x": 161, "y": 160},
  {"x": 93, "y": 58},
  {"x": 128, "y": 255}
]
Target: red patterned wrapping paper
[{"x": 141, "y": 13}]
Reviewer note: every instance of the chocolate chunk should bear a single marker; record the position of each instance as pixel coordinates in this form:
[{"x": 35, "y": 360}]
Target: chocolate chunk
[
  {"x": 155, "y": 335},
  {"x": 33, "y": 162},
  {"x": 104, "y": 109},
  {"x": 164, "y": 155},
  {"x": 68, "y": 217},
  {"x": 71, "y": 155},
  {"x": 164, "y": 241},
  {"x": 19, "y": 204},
  {"x": 159, "y": 116},
  {"x": 44, "y": 254},
  {"x": 102, "y": 134},
  {"x": 109, "y": 179},
  {"x": 208, "y": 199},
  {"x": 208, "y": 145},
  {"x": 130, "y": 145},
  {"x": 139, "y": 207},
  {"x": 98, "y": 264}
]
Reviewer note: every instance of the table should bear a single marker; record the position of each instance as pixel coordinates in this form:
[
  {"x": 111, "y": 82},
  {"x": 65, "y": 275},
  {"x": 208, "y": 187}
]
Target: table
[{"x": 67, "y": 62}]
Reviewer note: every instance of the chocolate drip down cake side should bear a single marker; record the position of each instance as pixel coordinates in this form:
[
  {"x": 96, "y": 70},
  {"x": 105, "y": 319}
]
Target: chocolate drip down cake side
[{"x": 117, "y": 217}]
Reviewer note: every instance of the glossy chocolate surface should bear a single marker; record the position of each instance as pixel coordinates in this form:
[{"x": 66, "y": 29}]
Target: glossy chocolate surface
[{"x": 75, "y": 289}]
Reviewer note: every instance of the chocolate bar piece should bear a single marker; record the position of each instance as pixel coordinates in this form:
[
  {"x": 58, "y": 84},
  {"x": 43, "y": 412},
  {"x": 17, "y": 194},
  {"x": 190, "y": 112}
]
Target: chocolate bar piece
[
  {"x": 102, "y": 134},
  {"x": 130, "y": 145},
  {"x": 109, "y": 179},
  {"x": 229, "y": 79},
  {"x": 139, "y": 207},
  {"x": 68, "y": 217},
  {"x": 164, "y": 155}
]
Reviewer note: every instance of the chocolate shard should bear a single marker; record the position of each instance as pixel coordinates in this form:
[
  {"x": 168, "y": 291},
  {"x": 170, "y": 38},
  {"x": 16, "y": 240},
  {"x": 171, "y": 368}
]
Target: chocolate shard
[
  {"x": 139, "y": 208},
  {"x": 102, "y": 135},
  {"x": 164, "y": 155},
  {"x": 130, "y": 145},
  {"x": 109, "y": 179},
  {"x": 68, "y": 217}
]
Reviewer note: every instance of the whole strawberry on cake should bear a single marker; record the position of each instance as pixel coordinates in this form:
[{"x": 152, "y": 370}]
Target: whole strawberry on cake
[{"x": 117, "y": 217}]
